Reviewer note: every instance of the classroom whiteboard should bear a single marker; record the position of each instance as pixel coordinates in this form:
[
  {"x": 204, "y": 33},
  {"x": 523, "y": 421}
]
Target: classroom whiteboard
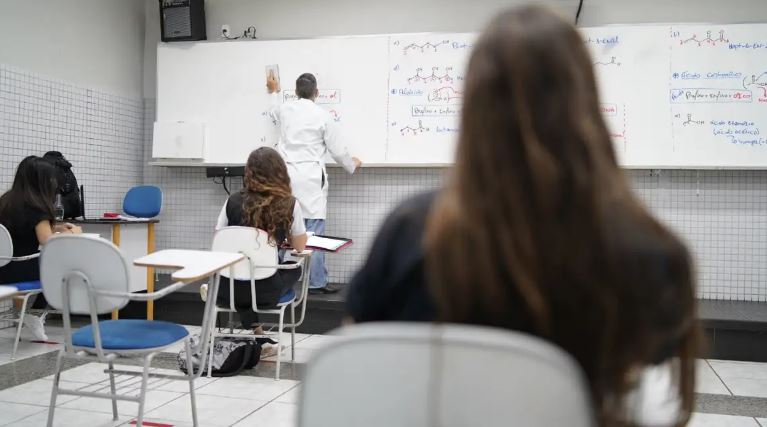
[{"x": 684, "y": 96}]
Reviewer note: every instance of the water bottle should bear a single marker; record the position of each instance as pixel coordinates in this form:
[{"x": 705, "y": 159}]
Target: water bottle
[{"x": 58, "y": 209}]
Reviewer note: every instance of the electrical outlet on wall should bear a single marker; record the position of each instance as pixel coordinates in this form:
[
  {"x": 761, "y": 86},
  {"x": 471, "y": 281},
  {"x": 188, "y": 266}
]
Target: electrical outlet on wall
[{"x": 226, "y": 31}]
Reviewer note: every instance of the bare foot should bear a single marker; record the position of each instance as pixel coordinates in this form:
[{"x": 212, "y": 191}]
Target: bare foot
[{"x": 258, "y": 330}]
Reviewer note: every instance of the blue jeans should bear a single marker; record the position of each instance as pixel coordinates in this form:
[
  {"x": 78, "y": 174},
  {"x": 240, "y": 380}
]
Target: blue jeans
[{"x": 318, "y": 275}]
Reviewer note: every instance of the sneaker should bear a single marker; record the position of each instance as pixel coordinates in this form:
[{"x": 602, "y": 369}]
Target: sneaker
[
  {"x": 204, "y": 292},
  {"x": 35, "y": 326}
]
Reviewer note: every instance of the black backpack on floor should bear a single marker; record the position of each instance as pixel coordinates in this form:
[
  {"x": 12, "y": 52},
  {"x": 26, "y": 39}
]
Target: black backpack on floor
[
  {"x": 230, "y": 356},
  {"x": 67, "y": 184}
]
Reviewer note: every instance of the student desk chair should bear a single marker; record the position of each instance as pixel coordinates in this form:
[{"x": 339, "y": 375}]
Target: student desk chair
[
  {"x": 260, "y": 263},
  {"x": 422, "y": 374},
  {"x": 21, "y": 291},
  {"x": 87, "y": 275}
]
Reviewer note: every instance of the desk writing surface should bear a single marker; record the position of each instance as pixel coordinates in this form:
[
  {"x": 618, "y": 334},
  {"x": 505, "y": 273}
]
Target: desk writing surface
[
  {"x": 193, "y": 265},
  {"x": 6, "y": 291}
]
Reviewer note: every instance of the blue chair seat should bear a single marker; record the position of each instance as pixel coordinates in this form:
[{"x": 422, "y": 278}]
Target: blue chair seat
[
  {"x": 131, "y": 334},
  {"x": 288, "y": 297},
  {"x": 144, "y": 201},
  {"x": 33, "y": 285}
]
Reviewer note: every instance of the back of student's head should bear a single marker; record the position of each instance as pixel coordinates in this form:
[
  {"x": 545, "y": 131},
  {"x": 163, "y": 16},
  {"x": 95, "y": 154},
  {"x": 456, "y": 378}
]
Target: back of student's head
[
  {"x": 538, "y": 229},
  {"x": 267, "y": 198},
  {"x": 306, "y": 86},
  {"x": 34, "y": 186}
]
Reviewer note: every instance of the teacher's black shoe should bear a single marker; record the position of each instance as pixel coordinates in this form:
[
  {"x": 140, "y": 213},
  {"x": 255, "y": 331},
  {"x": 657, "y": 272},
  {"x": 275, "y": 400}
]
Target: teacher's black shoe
[{"x": 326, "y": 290}]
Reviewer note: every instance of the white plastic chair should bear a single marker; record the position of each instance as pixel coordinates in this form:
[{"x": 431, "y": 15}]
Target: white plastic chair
[
  {"x": 261, "y": 262},
  {"x": 89, "y": 275},
  {"x": 420, "y": 374},
  {"x": 25, "y": 290}
]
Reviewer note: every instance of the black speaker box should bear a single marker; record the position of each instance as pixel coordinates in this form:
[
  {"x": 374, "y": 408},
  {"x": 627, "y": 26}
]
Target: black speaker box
[{"x": 182, "y": 20}]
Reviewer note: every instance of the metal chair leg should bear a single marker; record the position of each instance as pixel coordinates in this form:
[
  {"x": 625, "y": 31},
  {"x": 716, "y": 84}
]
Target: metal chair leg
[
  {"x": 113, "y": 390},
  {"x": 293, "y": 332},
  {"x": 21, "y": 323},
  {"x": 210, "y": 355},
  {"x": 279, "y": 343},
  {"x": 55, "y": 388},
  {"x": 190, "y": 373},
  {"x": 142, "y": 393}
]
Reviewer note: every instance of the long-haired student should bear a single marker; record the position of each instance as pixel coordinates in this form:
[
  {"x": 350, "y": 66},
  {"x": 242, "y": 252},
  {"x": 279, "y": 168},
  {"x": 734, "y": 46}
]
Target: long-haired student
[
  {"x": 537, "y": 229},
  {"x": 26, "y": 210},
  {"x": 265, "y": 202}
]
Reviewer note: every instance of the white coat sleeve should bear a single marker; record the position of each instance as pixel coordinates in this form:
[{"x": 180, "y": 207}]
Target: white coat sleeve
[
  {"x": 337, "y": 149},
  {"x": 298, "y": 228},
  {"x": 274, "y": 107},
  {"x": 223, "y": 220}
]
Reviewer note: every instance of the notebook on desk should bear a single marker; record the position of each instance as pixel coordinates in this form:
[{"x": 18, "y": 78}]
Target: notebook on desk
[{"x": 327, "y": 243}]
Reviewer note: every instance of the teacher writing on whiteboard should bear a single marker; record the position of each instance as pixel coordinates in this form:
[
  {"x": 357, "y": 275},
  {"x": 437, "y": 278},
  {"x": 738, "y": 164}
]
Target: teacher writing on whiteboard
[{"x": 307, "y": 133}]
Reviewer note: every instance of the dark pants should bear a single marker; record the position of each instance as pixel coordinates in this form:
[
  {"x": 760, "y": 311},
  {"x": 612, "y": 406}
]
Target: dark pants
[
  {"x": 268, "y": 293},
  {"x": 40, "y": 303}
]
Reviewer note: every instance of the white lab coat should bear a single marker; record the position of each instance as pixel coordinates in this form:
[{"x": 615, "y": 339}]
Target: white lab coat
[{"x": 307, "y": 134}]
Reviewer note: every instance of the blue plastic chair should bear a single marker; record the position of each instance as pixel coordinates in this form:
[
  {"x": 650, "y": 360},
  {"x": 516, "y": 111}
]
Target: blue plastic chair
[
  {"x": 144, "y": 201},
  {"x": 25, "y": 290},
  {"x": 89, "y": 276}
]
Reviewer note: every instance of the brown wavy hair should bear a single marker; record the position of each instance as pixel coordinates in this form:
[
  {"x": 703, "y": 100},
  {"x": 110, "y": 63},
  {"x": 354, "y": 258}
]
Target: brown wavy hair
[
  {"x": 538, "y": 230},
  {"x": 267, "y": 198}
]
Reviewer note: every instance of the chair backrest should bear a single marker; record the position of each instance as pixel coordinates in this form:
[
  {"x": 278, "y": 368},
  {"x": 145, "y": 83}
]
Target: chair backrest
[
  {"x": 98, "y": 259},
  {"x": 406, "y": 374},
  {"x": 251, "y": 241},
  {"x": 6, "y": 246},
  {"x": 143, "y": 201}
]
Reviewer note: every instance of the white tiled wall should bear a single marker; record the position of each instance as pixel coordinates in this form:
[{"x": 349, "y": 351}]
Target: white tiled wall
[
  {"x": 722, "y": 214},
  {"x": 723, "y": 217},
  {"x": 101, "y": 134}
]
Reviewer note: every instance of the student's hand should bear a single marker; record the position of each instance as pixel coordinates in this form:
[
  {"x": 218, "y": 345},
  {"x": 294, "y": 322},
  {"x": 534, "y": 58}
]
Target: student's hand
[
  {"x": 272, "y": 84},
  {"x": 357, "y": 163},
  {"x": 62, "y": 227},
  {"x": 67, "y": 228}
]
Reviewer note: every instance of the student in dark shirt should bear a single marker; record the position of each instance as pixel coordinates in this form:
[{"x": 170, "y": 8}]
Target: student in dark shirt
[
  {"x": 537, "y": 229},
  {"x": 26, "y": 210},
  {"x": 265, "y": 202}
]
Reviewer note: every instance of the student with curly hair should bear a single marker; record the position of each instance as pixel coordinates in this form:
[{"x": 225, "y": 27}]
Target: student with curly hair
[{"x": 265, "y": 202}]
